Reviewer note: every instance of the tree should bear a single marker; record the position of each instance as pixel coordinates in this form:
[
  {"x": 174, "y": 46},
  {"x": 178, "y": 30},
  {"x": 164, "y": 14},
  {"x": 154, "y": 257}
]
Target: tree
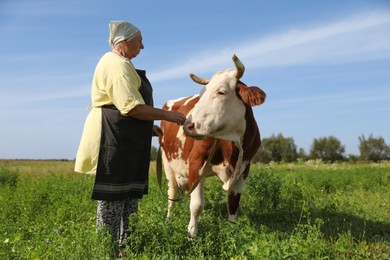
[
  {"x": 277, "y": 149},
  {"x": 373, "y": 149},
  {"x": 302, "y": 154},
  {"x": 329, "y": 149}
]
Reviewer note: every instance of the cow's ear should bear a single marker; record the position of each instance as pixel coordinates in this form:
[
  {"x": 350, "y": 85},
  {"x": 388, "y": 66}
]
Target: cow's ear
[{"x": 252, "y": 95}]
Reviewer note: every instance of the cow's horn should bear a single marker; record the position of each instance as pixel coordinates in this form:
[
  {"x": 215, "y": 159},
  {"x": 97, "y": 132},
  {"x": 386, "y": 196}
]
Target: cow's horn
[
  {"x": 240, "y": 67},
  {"x": 198, "y": 80}
]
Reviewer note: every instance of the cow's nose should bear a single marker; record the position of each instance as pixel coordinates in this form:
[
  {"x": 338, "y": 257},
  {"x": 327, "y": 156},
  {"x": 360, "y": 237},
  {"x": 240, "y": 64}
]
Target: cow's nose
[{"x": 189, "y": 125}]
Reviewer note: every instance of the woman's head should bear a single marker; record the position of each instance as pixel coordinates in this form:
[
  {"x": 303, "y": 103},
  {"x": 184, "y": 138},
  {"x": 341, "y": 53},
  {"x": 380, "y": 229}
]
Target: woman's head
[
  {"x": 125, "y": 38},
  {"x": 120, "y": 31}
]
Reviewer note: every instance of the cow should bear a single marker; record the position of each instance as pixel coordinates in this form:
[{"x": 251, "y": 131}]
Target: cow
[{"x": 219, "y": 137}]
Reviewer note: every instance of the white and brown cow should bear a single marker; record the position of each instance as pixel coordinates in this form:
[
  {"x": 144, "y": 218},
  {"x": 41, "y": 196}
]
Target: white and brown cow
[{"x": 221, "y": 114}]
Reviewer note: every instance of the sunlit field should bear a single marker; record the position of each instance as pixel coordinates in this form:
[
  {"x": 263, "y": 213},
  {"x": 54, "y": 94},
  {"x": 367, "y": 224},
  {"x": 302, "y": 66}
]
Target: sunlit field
[{"x": 288, "y": 211}]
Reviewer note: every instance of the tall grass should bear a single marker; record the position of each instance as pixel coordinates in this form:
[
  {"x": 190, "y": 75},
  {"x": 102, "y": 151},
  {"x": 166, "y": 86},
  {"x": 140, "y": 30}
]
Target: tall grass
[{"x": 288, "y": 211}]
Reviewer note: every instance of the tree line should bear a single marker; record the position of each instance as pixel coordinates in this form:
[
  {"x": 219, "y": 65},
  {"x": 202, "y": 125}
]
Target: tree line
[{"x": 278, "y": 148}]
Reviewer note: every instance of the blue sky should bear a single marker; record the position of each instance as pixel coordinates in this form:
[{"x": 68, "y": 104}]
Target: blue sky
[{"x": 325, "y": 65}]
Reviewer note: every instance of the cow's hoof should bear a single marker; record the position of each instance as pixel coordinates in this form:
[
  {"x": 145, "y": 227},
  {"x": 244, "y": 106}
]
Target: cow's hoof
[
  {"x": 191, "y": 237},
  {"x": 232, "y": 218},
  {"x": 192, "y": 233}
]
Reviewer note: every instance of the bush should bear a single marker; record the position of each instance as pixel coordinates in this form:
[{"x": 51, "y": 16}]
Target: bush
[
  {"x": 268, "y": 187},
  {"x": 8, "y": 178},
  {"x": 373, "y": 149},
  {"x": 278, "y": 149},
  {"x": 329, "y": 149}
]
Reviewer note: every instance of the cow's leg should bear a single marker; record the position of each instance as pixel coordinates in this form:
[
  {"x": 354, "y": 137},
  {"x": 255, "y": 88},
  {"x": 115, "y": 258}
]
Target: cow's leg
[
  {"x": 235, "y": 195},
  {"x": 196, "y": 207},
  {"x": 172, "y": 195},
  {"x": 172, "y": 185}
]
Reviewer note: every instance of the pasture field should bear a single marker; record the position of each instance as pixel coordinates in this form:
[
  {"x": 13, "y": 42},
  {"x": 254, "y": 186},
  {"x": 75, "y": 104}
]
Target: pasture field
[{"x": 288, "y": 211}]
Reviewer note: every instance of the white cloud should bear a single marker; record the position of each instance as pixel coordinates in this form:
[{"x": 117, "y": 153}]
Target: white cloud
[
  {"x": 40, "y": 97},
  {"x": 357, "y": 38},
  {"x": 362, "y": 97},
  {"x": 71, "y": 94}
]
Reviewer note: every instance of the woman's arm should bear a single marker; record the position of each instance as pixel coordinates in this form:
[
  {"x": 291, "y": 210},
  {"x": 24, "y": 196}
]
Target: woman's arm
[{"x": 145, "y": 112}]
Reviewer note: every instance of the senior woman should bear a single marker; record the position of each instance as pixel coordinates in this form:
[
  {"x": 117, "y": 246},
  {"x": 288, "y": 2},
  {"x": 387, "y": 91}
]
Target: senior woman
[{"x": 116, "y": 140}]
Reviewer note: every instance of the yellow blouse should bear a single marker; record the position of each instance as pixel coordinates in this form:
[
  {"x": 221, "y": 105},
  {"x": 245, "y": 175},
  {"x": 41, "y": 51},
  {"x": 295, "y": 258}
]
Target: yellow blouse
[{"x": 115, "y": 82}]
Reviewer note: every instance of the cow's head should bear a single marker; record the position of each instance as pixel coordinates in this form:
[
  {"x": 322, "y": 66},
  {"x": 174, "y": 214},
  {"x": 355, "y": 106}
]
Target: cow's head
[{"x": 220, "y": 112}]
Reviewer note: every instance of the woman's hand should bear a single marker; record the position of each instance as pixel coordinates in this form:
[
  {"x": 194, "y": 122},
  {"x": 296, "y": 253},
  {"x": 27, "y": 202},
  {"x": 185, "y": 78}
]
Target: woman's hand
[
  {"x": 157, "y": 131},
  {"x": 175, "y": 117}
]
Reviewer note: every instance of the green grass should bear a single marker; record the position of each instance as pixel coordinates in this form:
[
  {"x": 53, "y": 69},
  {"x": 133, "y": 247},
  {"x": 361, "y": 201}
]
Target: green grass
[{"x": 288, "y": 211}]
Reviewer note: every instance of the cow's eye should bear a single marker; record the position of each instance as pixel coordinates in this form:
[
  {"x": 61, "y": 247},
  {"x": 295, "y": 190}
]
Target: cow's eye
[{"x": 221, "y": 92}]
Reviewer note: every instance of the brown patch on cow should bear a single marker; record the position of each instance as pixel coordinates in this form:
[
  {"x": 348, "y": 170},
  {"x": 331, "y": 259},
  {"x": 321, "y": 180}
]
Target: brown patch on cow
[
  {"x": 172, "y": 144},
  {"x": 246, "y": 171},
  {"x": 197, "y": 157},
  {"x": 250, "y": 96},
  {"x": 252, "y": 140},
  {"x": 224, "y": 152},
  {"x": 234, "y": 198},
  {"x": 170, "y": 141}
]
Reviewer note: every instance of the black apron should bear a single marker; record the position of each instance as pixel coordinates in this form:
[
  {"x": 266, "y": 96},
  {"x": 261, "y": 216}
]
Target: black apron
[{"x": 124, "y": 155}]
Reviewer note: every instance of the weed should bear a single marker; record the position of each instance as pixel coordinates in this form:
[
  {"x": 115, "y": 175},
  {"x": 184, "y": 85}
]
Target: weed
[{"x": 8, "y": 178}]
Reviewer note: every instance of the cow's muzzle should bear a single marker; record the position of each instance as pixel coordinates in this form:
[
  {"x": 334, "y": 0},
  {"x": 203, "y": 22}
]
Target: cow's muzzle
[{"x": 190, "y": 130}]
